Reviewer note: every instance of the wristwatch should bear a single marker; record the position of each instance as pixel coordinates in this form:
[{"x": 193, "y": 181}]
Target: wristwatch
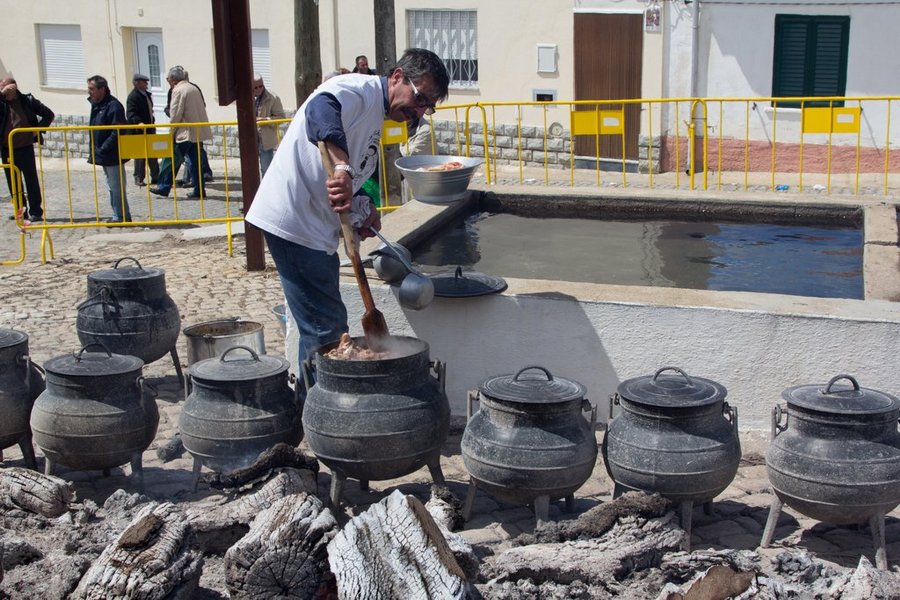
[{"x": 350, "y": 170}]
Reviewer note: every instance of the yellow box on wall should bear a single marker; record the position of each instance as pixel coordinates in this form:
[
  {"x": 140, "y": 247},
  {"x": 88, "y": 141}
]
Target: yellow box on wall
[
  {"x": 585, "y": 122},
  {"x": 827, "y": 119},
  {"x": 393, "y": 132},
  {"x": 154, "y": 145}
]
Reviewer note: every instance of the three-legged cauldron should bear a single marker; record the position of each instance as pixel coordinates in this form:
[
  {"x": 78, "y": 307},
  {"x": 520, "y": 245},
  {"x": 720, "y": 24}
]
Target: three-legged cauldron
[
  {"x": 96, "y": 413},
  {"x": 675, "y": 436},
  {"x": 835, "y": 457},
  {"x": 129, "y": 311},
  {"x": 373, "y": 420},
  {"x": 239, "y": 406},
  {"x": 21, "y": 382},
  {"x": 529, "y": 442}
]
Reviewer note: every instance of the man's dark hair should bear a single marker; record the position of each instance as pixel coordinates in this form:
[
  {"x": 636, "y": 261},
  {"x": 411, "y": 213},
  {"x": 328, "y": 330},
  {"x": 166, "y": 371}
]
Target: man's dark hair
[
  {"x": 417, "y": 62},
  {"x": 359, "y": 57},
  {"x": 99, "y": 82}
]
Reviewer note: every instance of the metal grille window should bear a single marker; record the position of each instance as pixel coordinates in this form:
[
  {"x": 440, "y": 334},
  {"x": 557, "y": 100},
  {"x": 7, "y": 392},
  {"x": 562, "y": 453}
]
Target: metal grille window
[
  {"x": 452, "y": 35},
  {"x": 62, "y": 56},
  {"x": 810, "y": 57}
]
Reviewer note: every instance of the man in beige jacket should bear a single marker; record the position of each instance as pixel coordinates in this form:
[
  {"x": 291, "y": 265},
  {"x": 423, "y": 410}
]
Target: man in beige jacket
[
  {"x": 187, "y": 106},
  {"x": 268, "y": 107}
]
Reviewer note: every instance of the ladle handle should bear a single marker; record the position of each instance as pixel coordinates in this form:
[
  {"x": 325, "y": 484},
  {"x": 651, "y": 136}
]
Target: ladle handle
[{"x": 397, "y": 254}]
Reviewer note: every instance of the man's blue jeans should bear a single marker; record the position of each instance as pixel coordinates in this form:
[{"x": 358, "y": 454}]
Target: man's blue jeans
[
  {"x": 265, "y": 158},
  {"x": 115, "y": 176},
  {"x": 310, "y": 280}
]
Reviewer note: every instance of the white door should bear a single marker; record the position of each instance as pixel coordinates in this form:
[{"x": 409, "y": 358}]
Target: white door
[{"x": 151, "y": 62}]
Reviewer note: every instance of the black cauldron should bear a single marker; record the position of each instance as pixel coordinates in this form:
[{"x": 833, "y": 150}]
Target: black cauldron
[
  {"x": 529, "y": 442},
  {"x": 377, "y": 419},
  {"x": 835, "y": 456},
  {"x": 675, "y": 436},
  {"x": 239, "y": 406},
  {"x": 21, "y": 382},
  {"x": 96, "y": 413},
  {"x": 129, "y": 312}
]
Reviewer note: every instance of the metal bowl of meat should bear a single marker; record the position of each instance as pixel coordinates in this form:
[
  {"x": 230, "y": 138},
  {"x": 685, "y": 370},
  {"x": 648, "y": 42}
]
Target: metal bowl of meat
[{"x": 438, "y": 179}]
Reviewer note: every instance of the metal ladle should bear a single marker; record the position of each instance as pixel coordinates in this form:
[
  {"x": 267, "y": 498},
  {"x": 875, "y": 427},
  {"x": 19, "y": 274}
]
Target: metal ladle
[{"x": 416, "y": 290}]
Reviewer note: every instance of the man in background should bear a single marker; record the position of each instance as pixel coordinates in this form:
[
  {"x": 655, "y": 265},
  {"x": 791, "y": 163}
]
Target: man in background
[
  {"x": 268, "y": 107},
  {"x": 22, "y": 110},
  {"x": 107, "y": 110},
  {"x": 139, "y": 110},
  {"x": 362, "y": 65},
  {"x": 187, "y": 106}
]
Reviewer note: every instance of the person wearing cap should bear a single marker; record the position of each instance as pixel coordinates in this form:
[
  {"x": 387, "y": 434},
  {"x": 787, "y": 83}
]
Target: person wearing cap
[
  {"x": 22, "y": 110},
  {"x": 139, "y": 110}
]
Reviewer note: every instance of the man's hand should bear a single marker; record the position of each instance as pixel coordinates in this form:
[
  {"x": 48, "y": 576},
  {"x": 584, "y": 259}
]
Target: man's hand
[
  {"x": 373, "y": 221},
  {"x": 340, "y": 190}
]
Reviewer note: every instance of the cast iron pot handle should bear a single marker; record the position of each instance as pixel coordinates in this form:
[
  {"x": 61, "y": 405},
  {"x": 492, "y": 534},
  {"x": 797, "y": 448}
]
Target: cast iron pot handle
[
  {"x": 440, "y": 371},
  {"x": 247, "y": 348},
  {"x": 298, "y": 400},
  {"x": 586, "y": 405},
  {"x": 26, "y": 359},
  {"x": 838, "y": 378},
  {"x": 144, "y": 386},
  {"x": 471, "y": 397},
  {"x": 546, "y": 372},
  {"x": 116, "y": 266},
  {"x": 683, "y": 374},
  {"x": 777, "y": 413},
  {"x": 731, "y": 415},
  {"x": 309, "y": 373},
  {"x": 83, "y": 348}
]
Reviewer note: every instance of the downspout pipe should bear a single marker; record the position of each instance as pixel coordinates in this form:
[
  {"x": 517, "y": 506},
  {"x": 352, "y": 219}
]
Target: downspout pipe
[{"x": 696, "y": 160}]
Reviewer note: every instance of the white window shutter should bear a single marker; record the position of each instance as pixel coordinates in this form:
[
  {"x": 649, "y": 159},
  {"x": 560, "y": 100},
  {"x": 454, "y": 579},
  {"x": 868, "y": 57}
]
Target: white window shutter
[{"x": 62, "y": 54}]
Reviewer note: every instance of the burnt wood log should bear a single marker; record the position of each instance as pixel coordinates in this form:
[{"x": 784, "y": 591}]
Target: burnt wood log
[
  {"x": 395, "y": 550},
  {"x": 632, "y": 545},
  {"x": 37, "y": 493},
  {"x": 278, "y": 456},
  {"x": 284, "y": 555},
  {"x": 217, "y": 527},
  {"x": 150, "y": 560},
  {"x": 598, "y": 520}
]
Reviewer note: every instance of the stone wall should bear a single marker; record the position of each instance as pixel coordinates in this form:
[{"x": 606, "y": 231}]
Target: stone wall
[{"x": 508, "y": 142}]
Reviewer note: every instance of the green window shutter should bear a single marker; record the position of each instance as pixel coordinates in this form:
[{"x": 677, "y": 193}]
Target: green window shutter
[{"x": 810, "y": 57}]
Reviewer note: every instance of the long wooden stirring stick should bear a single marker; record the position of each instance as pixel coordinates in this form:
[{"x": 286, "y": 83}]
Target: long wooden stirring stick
[{"x": 373, "y": 323}]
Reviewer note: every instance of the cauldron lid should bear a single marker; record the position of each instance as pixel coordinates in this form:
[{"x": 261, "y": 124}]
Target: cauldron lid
[
  {"x": 841, "y": 399},
  {"x": 532, "y": 388},
  {"x": 238, "y": 363},
  {"x": 93, "y": 364},
  {"x": 125, "y": 273},
  {"x": 11, "y": 337},
  {"x": 464, "y": 285},
  {"x": 672, "y": 391}
]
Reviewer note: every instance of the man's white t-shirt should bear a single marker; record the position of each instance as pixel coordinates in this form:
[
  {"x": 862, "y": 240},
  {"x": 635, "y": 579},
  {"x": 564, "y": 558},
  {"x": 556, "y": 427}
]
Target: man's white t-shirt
[{"x": 291, "y": 201}]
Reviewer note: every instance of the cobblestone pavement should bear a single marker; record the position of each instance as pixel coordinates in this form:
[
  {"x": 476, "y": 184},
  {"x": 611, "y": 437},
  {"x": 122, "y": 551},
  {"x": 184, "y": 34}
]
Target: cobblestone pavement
[{"x": 205, "y": 283}]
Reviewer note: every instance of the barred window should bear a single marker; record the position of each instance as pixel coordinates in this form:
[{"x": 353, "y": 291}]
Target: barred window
[{"x": 452, "y": 35}]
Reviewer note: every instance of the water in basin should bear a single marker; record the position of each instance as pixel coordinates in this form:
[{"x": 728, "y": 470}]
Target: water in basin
[{"x": 820, "y": 261}]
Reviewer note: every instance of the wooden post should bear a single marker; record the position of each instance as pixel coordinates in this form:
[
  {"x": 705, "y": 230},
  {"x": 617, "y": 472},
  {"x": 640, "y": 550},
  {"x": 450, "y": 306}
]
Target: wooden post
[{"x": 234, "y": 61}]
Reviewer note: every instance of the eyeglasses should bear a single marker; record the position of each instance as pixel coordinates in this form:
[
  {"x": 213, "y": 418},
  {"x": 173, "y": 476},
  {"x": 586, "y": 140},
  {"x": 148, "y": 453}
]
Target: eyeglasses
[{"x": 421, "y": 99}]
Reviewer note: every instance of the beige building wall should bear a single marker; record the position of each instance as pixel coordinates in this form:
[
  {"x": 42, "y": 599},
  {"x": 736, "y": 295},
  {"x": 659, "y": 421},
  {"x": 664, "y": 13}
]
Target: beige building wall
[{"x": 508, "y": 34}]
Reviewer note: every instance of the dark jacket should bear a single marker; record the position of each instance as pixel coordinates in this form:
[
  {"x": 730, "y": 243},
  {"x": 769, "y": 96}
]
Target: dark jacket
[
  {"x": 108, "y": 111},
  {"x": 137, "y": 110},
  {"x": 37, "y": 113}
]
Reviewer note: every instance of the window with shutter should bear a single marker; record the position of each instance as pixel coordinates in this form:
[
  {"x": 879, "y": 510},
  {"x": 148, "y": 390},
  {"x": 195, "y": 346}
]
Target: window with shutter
[
  {"x": 451, "y": 34},
  {"x": 62, "y": 56},
  {"x": 810, "y": 57},
  {"x": 262, "y": 55}
]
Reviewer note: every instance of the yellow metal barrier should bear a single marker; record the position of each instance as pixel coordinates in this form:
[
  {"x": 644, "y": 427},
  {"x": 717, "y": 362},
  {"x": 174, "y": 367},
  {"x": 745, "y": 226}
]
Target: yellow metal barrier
[{"x": 745, "y": 142}]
